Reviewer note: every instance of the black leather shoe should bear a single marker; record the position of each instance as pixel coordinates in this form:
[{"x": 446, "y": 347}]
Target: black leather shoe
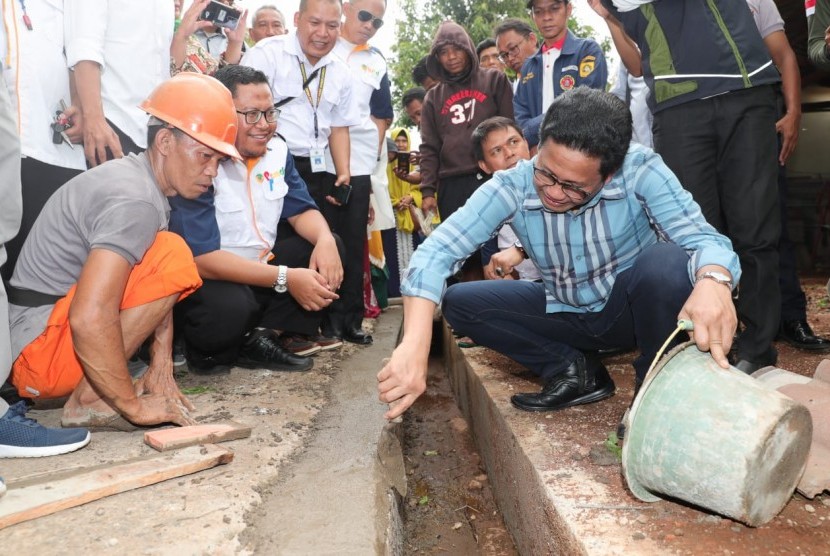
[
  {"x": 586, "y": 380},
  {"x": 750, "y": 366},
  {"x": 357, "y": 336},
  {"x": 798, "y": 334},
  {"x": 262, "y": 350}
]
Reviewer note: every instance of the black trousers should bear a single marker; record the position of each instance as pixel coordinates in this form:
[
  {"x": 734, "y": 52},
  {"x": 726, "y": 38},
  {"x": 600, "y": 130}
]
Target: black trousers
[
  {"x": 215, "y": 317},
  {"x": 724, "y": 151},
  {"x": 453, "y": 193},
  {"x": 349, "y": 222},
  {"x": 39, "y": 181},
  {"x": 509, "y": 316}
]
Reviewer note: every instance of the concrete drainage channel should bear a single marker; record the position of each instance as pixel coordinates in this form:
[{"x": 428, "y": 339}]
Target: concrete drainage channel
[
  {"x": 339, "y": 495},
  {"x": 439, "y": 495}
]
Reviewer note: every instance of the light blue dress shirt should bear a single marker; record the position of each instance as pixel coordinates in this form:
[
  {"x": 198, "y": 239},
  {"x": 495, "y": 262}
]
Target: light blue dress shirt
[{"x": 580, "y": 252}]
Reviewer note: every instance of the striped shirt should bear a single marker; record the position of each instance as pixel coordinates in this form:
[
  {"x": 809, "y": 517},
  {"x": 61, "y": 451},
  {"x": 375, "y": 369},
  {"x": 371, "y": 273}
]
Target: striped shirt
[{"x": 581, "y": 252}]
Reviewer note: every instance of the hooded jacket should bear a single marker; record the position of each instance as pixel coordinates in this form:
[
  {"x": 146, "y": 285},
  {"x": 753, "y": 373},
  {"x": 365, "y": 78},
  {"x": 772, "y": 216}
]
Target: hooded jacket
[{"x": 453, "y": 108}]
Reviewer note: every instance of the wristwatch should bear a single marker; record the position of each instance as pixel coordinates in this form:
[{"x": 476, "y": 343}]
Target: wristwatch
[
  {"x": 281, "y": 284},
  {"x": 521, "y": 249},
  {"x": 718, "y": 277}
]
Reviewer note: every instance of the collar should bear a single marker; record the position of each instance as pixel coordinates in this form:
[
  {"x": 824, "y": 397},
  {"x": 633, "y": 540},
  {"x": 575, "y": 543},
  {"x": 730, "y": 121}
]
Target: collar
[{"x": 557, "y": 45}]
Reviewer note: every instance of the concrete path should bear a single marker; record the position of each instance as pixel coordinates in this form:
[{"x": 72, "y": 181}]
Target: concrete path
[
  {"x": 333, "y": 497},
  {"x": 308, "y": 480}
]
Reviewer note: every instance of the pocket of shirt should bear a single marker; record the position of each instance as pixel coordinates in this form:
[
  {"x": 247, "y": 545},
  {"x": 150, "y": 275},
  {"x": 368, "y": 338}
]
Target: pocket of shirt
[
  {"x": 274, "y": 189},
  {"x": 230, "y": 216}
]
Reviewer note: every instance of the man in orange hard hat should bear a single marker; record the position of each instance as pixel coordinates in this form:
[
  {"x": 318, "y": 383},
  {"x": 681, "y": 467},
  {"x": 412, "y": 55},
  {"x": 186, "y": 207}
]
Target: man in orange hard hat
[{"x": 99, "y": 274}]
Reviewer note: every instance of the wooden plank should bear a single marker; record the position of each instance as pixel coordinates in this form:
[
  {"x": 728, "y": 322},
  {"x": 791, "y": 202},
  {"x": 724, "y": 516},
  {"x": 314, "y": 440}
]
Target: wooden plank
[
  {"x": 180, "y": 437},
  {"x": 48, "y": 496}
]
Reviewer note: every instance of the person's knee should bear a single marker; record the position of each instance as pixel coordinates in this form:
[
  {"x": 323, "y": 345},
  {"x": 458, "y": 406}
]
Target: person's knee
[
  {"x": 168, "y": 245},
  {"x": 663, "y": 271},
  {"x": 223, "y": 313},
  {"x": 457, "y": 305}
]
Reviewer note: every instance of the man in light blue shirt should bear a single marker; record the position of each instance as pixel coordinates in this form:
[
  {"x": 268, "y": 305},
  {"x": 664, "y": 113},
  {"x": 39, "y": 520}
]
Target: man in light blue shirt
[{"x": 623, "y": 250}]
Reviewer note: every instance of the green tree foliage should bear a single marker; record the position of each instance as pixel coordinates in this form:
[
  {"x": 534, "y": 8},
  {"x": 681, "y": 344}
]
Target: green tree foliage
[{"x": 419, "y": 19}]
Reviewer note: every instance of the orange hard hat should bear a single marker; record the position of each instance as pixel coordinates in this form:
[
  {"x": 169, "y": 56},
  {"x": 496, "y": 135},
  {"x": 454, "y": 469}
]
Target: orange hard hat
[{"x": 198, "y": 105}]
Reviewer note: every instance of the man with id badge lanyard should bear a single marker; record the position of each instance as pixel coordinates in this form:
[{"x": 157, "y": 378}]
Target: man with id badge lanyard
[
  {"x": 371, "y": 91},
  {"x": 312, "y": 89}
]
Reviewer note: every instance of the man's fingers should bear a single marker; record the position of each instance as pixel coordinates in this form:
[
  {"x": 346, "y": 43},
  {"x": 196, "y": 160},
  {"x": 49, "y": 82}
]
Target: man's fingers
[
  {"x": 186, "y": 403},
  {"x": 397, "y": 409},
  {"x": 717, "y": 352}
]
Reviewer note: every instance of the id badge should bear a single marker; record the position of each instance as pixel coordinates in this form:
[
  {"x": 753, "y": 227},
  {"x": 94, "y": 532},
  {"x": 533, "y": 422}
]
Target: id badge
[{"x": 318, "y": 161}]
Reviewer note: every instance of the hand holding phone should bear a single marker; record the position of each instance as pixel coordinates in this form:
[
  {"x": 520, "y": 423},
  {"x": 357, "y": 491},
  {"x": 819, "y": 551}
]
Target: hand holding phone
[
  {"x": 403, "y": 162},
  {"x": 221, "y": 15},
  {"x": 342, "y": 193}
]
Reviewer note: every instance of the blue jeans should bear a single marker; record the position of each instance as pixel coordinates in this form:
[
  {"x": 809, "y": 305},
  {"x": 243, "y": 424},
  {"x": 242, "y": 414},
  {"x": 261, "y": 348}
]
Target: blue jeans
[{"x": 509, "y": 316}]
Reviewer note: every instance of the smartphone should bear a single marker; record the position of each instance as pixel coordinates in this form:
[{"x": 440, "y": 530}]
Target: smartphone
[
  {"x": 342, "y": 193},
  {"x": 221, "y": 15},
  {"x": 403, "y": 161}
]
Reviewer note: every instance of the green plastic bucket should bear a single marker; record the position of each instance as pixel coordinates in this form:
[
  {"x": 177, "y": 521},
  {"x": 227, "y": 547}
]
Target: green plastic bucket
[{"x": 715, "y": 438}]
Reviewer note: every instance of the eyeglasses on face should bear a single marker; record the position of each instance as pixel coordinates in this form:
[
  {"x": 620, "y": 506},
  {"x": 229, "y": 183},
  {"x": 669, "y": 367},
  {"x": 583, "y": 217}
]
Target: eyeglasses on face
[
  {"x": 511, "y": 52},
  {"x": 548, "y": 179},
  {"x": 365, "y": 16},
  {"x": 253, "y": 116}
]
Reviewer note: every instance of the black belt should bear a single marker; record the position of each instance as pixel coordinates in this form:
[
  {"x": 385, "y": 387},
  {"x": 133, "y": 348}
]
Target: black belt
[{"x": 30, "y": 298}]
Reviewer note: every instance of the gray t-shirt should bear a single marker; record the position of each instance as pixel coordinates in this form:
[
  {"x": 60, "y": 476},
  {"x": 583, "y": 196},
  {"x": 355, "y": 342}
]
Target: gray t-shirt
[
  {"x": 766, "y": 15},
  {"x": 116, "y": 206}
]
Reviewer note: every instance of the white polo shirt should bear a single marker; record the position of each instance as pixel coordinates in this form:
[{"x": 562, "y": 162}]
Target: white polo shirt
[
  {"x": 131, "y": 41},
  {"x": 249, "y": 202},
  {"x": 36, "y": 76},
  {"x": 367, "y": 68},
  {"x": 280, "y": 59}
]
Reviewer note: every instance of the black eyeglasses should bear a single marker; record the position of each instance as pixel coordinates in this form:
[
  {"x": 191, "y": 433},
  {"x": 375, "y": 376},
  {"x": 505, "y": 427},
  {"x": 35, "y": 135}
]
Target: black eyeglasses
[
  {"x": 253, "y": 116},
  {"x": 547, "y": 179},
  {"x": 511, "y": 51},
  {"x": 365, "y": 16}
]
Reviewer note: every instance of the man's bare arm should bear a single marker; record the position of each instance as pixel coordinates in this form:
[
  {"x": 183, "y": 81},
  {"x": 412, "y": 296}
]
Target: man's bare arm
[
  {"x": 784, "y": 58},
  {"x": 404, "y": 377},
  {"x": 95, "y": 321},
  {"x": 341, "y": 153},
  {"x": 98, "y": 135}
]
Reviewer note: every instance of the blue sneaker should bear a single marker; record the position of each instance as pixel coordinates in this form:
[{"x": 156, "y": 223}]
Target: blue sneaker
[{"x": 22, "y": 437}]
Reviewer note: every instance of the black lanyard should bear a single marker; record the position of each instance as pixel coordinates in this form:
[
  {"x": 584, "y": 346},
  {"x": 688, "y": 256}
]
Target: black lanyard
[{"x": 306, "y": 82}]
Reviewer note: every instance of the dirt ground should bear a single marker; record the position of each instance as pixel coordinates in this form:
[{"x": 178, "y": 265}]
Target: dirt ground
[
  {"x": 802, "y": 528},
  {"x": 449, "y": 508}
]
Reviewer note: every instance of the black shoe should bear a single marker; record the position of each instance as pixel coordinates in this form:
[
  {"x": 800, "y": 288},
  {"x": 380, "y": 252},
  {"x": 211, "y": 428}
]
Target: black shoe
[
  {"x": 749, "y": 366},
  {"x": 798, "y": 334},
  {"x": 586, "y": 380},
  {"x": 357, "y": 336},
  {"x": 261, "y": 350}
]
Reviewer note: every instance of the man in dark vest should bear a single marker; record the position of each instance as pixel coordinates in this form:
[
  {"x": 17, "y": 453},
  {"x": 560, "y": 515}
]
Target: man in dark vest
[{"x": 714, "y": 125}]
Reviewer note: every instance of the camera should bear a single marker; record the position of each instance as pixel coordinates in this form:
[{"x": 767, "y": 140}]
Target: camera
[{"x": 221, "y": 15}]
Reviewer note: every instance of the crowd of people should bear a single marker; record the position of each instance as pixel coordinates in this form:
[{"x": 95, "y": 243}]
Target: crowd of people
[{"x": 175, "y": 190}]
